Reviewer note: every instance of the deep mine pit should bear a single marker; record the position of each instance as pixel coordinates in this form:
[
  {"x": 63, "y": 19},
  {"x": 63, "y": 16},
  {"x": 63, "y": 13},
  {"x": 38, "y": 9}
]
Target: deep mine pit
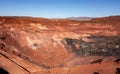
[{"x": 45, "y": 46}]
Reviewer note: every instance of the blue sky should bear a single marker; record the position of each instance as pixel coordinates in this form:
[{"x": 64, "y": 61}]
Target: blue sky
[{"x": 59, "y": 8}]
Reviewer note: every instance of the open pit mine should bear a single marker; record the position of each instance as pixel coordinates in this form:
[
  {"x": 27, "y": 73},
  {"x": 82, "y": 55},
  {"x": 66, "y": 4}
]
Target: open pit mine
[{"x": 59, "y": 46}]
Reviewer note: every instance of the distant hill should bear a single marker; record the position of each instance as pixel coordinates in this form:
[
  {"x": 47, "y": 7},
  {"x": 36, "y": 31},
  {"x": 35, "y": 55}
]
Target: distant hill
[
  {"x": 79, "y": 18},
  {"x": 109, "y": 19}
]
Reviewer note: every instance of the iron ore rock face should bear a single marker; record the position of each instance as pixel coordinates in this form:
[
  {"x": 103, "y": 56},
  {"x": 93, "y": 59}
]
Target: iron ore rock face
[
  {"x": 46, "y": 46},
  {"x": 96, "y": 46}
]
